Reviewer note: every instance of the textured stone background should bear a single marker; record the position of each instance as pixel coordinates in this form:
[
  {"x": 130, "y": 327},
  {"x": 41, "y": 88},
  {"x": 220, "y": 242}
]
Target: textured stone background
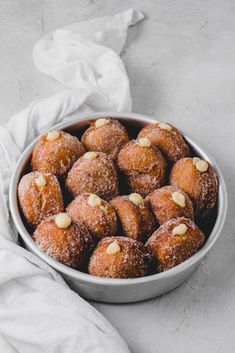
[{"x": 181, "y": 64}]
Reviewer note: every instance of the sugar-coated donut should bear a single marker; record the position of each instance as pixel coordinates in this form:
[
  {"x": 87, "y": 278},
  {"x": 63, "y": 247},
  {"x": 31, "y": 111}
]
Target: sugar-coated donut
[
  {"x": 93, "y": 173},
  {"x": 168, "y": 139},
  {"x": 170, "y": 202},
  {"x": 142, "y": 165},
  {"x": 120, "y": 257},
  {"x": 198, "y": 179},
  {"x": 66, "y": 241},
  {"x": 56, "y": 152},
  {"x": 39, "y": 196},
  {"x": 174, "y": 242},
  {"x": 105, "y": 135},
  {"x": 135, "y": 217},
  {"x": 96, "y": 214}
]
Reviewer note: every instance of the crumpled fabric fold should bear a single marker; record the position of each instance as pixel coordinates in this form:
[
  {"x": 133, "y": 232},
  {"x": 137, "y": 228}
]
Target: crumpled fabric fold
[{"x": 38, "y": 311}]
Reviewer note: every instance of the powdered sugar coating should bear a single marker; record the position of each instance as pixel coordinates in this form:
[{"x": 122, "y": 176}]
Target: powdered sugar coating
[
  {"x": 109, "y": 138},
  {"x": 171, "y": 250},
  {"x": 39, "y": 202},
  {"x": 135, "y": 221},
  {"x": 70, "y": 246},
  {"x": 170, "y": 141},
  {"x": 202, "y": 187},
  {"x": 133, "y": 259},
  {"x": 165, "y": 208},
  {"x": 144, "y": 167},
  {"x": 96, "y": 176},
  {"x": 56, "y": 156},
  {"x": 100, "y": 221}
]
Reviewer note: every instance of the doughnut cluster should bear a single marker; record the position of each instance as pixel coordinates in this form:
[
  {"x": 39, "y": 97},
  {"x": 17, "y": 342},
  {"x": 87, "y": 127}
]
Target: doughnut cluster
[{"x": 117, "y": 207}]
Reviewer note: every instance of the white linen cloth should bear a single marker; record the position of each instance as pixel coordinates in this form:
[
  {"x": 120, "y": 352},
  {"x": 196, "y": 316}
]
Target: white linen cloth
[{"x": 38, "y": 312}]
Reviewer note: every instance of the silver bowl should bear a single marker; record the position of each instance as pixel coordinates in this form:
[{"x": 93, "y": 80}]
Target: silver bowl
[{"x": 119, "y": 290}]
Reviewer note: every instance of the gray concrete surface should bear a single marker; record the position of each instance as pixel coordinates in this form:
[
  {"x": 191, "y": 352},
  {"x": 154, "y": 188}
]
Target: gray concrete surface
[{"x": 181, "y": 64}]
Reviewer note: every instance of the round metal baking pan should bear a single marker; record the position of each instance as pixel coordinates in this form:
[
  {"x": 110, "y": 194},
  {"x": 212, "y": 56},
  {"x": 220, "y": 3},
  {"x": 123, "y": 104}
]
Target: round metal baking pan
[{"x": 120, "y": 290}]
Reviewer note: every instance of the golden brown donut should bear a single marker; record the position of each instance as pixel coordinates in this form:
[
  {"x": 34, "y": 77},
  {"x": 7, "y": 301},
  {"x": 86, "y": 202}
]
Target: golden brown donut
[
  {"x": 66, "y": 241},
  {"x": 134, "y": 215},
  {"x": 170, "y": 202},
  {"x": 96, "y": 214},
  {"x": 39, "y": 196},
  {"x": 142, "y": 165},
  {"x": 168, "y": 139},
  {"x": 120, "y": 257},
  {"x": 174, "y": 242},
  {"x": 56, "y": 152},
  {"x": 198, "y": 179},
  {"x": 93, "y": 173},
  {"x": 105, "y": 135}
]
